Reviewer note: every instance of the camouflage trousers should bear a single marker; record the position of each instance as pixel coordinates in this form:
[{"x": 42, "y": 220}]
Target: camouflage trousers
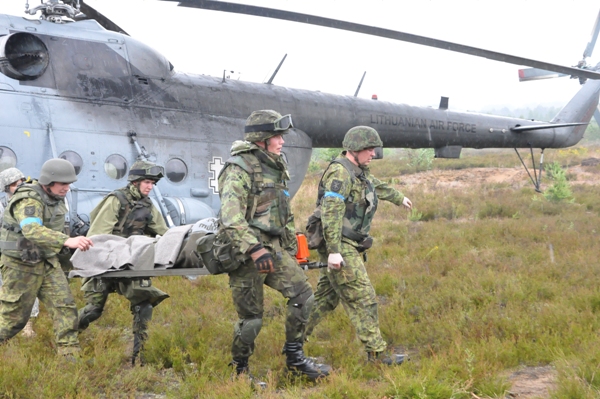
[
  {"x": 17, "y": 298},
  {"x": 351, "y": 286},
  {"x": 136, "y": 291},
  {"x": 247, "y": 292}
]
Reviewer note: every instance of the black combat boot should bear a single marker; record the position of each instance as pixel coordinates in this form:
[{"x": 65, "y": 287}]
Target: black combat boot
[
  {"x": 394, "y": 359},
  {"x": 241, "y": 367},
  {"x": 299, "y": 364}
]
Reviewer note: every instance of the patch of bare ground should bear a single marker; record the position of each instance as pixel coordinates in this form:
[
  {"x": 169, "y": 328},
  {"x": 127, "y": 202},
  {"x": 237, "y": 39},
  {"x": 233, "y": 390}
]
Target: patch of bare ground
[
  {"x": 532, "y": 382},
  {"x": 516, "y": 177}
]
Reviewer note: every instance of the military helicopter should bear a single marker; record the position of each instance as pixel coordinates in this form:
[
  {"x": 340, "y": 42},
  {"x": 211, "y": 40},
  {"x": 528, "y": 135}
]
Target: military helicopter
[{"x": 73, "y": 86}]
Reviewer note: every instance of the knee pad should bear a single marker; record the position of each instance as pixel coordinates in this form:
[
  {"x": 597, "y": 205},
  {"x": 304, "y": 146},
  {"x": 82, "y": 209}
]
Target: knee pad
[
  {"x": 87, "y": 315},
  {"x": 248, "y": 330},
  {"x": 301, "y": 305}
]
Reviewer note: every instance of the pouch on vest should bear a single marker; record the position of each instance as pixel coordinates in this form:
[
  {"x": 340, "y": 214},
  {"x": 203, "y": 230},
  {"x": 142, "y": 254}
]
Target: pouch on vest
[
  {"x": 218, "y": 253},
  {"x": 30, "y": 253},
  {"x": 314, "y": 230}
]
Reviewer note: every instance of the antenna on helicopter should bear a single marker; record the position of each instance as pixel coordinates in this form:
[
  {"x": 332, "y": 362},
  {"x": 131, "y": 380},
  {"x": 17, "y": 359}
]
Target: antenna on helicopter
[
  {"x": 360, "y": 84},
  {"x": 276, "y": 70}
]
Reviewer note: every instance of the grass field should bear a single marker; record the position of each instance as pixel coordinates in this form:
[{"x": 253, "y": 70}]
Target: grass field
[{"x": 485, "y": 280}]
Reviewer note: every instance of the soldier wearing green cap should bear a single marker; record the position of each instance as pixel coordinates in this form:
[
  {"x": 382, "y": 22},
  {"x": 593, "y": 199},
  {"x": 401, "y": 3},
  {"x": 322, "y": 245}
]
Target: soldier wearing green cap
[
  {"x": 125, "y": 212},
  {"x": 256, "y": 214},
  {"x": 30, "y": 239},
  {"x": 348, "y": 196}
]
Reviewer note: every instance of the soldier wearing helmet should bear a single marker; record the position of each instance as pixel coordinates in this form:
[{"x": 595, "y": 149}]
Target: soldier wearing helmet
[
  {"x": 10, "y": 180},
  {"x": 348, "y": 197},
  {"x": 126, "y": 212},
  {"x": 30, "y": 239},
  {"x": 256, "y": 214}
]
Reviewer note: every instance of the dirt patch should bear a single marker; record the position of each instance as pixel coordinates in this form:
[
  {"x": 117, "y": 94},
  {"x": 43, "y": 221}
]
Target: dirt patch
[
  {"x": 532, "y": 382},
  {"x": 515, "y": 177}
]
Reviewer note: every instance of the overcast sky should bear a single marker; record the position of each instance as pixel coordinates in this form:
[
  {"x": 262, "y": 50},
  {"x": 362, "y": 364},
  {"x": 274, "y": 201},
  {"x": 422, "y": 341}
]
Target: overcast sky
[{"x": 207, "y": 42}]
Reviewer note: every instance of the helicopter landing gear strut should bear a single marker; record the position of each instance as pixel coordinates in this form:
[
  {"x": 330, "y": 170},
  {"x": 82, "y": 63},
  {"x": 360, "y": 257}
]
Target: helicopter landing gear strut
[{"x": 536, "y": 179}]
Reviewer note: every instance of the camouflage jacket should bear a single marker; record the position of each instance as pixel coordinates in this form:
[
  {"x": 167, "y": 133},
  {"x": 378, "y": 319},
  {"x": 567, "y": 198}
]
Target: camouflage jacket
[
  {"x": 38, "y": 218},
  {"x": 141, "y": 217},
  {"x": 349, "y": 200},
  {"x": 255, "y": 203}
]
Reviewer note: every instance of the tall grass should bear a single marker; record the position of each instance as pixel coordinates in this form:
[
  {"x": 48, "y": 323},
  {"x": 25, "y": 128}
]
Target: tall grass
[{"x": 487, "y": 279}]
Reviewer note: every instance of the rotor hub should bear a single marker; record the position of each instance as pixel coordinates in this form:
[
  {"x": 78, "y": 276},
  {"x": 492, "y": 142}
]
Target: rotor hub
[{"x": 55, "y": 10}]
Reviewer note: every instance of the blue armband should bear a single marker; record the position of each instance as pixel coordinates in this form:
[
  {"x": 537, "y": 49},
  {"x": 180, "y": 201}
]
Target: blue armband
[
  {"x": 333, "y": 194},
  {"x": 287, "y": 194},
  {"x": 27, "y": 221}
]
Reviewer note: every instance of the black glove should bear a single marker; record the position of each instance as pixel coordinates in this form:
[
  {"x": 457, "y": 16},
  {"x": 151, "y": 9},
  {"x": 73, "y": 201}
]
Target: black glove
[{"x": 263, "y": 260}]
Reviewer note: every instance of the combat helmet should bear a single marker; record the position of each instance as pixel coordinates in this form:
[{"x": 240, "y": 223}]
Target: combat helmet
[
  {"x": 141, "y": 170},
  {"x": 360, "y": 137},
  {"x": 57, "y": 170},
  {"x": 8, "y": 177},
  {"x": 264, "y": 124}
]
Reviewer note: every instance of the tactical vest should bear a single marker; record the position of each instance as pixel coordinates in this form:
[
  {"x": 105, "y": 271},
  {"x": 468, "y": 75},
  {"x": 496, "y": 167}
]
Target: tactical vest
[
  {"x": 268, "y": 208},
  {"x": 13, "y": 242},
  {"x": 361, "y": 204},
  {"x": 134, "y": 215}
]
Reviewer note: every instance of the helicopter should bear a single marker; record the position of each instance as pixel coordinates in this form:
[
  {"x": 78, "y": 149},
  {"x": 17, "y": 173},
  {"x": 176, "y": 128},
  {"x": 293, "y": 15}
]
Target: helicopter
[{"x": 73, "y": 86}]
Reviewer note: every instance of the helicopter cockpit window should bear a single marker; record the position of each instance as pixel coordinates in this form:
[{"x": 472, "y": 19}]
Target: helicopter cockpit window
[
  {"x": 74, "y": 158},
  {"x": 115, "y": 166},
  {"x": 8, "y": 159},
  {"x": 176, "y": 170},
  {"x": 147, "y": 62}
]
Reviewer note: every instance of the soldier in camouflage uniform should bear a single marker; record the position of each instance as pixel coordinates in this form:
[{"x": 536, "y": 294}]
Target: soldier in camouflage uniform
[
  {"x": 10, "y": 180},
  {"x": 30, "y": 239},
  {"x": 255, "y": 211},
  {"x": 348, "y": 197},
  {"x": 125, "y": 212}
]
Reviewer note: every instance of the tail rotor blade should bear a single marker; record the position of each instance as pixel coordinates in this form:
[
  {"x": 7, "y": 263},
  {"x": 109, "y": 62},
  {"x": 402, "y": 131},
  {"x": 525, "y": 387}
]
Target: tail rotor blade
[{"x": 592, "y": 43}]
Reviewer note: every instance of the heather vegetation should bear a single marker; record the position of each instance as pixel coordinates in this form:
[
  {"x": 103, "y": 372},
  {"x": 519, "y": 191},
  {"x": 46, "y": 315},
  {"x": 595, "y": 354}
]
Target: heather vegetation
[{"x": 478, "y": 281}]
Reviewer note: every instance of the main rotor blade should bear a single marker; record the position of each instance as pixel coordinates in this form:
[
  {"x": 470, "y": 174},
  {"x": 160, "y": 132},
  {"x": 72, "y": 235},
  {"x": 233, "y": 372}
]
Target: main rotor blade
[
  {"x": 528, "y": 74},
  {"x": 91, "y": 13},
  {"x": 387, "y": 33}
]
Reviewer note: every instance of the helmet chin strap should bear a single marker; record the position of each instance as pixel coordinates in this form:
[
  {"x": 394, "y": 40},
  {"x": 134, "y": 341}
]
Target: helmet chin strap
[{"x": 353, "y": 153}]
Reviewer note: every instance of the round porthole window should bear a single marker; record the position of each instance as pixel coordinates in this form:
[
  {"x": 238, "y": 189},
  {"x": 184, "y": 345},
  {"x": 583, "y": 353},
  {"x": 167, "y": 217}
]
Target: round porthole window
[
  {"x": 74, "y": 158},
  {"x": 115, "y": 166},
  {"x": 176, "y": 170}
]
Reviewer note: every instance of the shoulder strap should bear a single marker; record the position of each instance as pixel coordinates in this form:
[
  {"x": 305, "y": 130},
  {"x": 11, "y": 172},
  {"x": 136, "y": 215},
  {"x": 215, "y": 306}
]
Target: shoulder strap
[
  {"x": 345, "y": 164},
  {"x": 125, "y": 206},
  {"x": 250, "y": 163}
]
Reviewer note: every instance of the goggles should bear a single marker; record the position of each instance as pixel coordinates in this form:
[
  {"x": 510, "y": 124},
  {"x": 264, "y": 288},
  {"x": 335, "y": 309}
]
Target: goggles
[
  {"x": 281, "y": 124},
  {"x": 156, "y": 171}
]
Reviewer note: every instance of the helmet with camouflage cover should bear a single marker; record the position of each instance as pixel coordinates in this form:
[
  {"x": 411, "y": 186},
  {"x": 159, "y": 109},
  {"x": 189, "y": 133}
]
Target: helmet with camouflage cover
[
  {"x": 57, "y": 170},
  {"x": 141, "y": 170},
  {"x": 264, "y": 124},
  {"x": 8, "y": 177},
  {"x": 360, "y": 137}
]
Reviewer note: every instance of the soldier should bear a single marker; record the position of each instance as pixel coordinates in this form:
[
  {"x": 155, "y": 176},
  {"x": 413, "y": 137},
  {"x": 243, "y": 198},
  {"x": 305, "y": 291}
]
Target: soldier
[
  {"x": 10, "y": 179},
  {"x": 256, "y": 214},
  {"x": 125, "y": 212},
  {"x": 348, "y": 195},
  {"x": 30, "y": 239}
]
